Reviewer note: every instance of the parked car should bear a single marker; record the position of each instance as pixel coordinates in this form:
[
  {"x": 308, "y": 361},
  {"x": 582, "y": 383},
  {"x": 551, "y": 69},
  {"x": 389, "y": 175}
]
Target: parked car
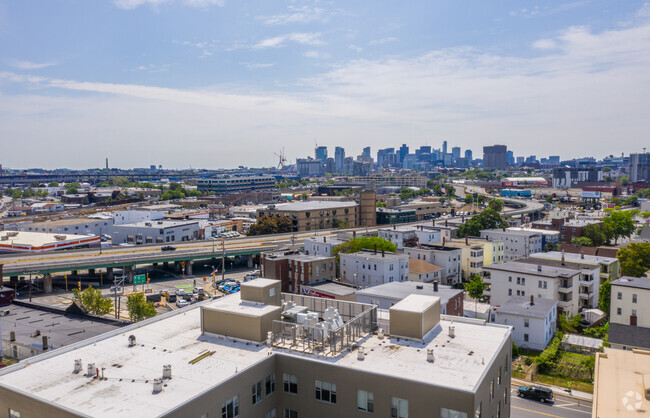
[
  {"x": 179, "y": 292},
  {"x": 181, "y": 303},
  {"x": 538, "y": 393},
  {"x": 167, "y": 248}
]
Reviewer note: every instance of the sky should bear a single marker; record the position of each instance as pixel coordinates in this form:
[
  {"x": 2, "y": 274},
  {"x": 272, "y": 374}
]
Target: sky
[{"x": 223, "y": 83}]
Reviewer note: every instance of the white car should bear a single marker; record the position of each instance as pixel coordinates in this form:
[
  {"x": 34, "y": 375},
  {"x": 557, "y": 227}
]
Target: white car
[{"x": 181, "y": 303}]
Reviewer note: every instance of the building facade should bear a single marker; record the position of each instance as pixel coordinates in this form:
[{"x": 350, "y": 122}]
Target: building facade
[
  {"x": 155, "y": 232},
  {"x": 534, "y": 320},
  {"x": 235, "y": 184},
  {"x": 516, "y": 244},
  {"x": 314, "y": 215},
  {"x": 639, "y": 167},
  {"x": 495, "y": 157},
  {"x": 447, "y": 258},
  {"x": 369, "y": 268}
]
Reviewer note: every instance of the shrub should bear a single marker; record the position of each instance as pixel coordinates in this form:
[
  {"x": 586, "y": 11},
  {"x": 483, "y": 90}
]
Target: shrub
[
  {"x": 515, "y": 351},
  {"x": 529, "y": 361},
  {"x": 546, "y": 360}
]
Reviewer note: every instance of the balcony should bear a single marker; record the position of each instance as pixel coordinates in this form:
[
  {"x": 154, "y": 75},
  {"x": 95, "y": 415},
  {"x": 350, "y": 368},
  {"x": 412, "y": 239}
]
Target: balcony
[
  {"x": 564, "y": 298},
  {"x": 586, "y": 295},
  {"x": 565, "y": 285},
  {"x": 565, "y": 305},
  {"x": 586, "y": 280}
]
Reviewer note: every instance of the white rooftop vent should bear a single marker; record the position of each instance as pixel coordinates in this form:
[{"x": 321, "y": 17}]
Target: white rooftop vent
[
  {"x": 430, "y": 355},
  {"x": 361, "y": 354},
  {"x": 167, "y": 371},
  {"x": 157, "y": 385},
  {"x": 380, "y": 333},
  {"x": 77, "y": 366},
  {"x": 131, "y": 340},
  {"x": 452, "y": 331},
  {"x": 90, "y": 370}
]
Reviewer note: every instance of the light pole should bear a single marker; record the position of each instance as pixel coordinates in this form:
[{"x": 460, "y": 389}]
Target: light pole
[
  {"x": 223, "y": 259},
  {"x": 100, "y": 240}
]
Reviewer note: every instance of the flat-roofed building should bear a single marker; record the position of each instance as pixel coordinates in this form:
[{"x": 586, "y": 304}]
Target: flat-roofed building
[
  {"x": 477, "y": 253},
  {"x": 447, "y": 258},
  {"x": 38, "y": 242},
  {"x": 516, "y": 244},
  {"x": 235, "y": 184},
  {"x": 314, "y": 215},
  {"x": 568, "y": 228},
  {"x": 369, "y": 268},
  {"x": 296, "y": 269},
  {"x": 610, "y": 267},
  {"x": 237, "y": 356},
  {"x": 155, "y": 232},
  {"x": 71, "y": 226},
  {"x": 321, "y": 245}
]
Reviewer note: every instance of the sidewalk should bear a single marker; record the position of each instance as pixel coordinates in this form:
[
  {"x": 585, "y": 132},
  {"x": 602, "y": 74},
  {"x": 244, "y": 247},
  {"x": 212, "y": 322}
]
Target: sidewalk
[{"x": 583, "y": 396}]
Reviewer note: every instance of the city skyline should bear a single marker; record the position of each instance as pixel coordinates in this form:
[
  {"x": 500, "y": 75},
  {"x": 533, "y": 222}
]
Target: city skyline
[{"x": 187, "y": 83}]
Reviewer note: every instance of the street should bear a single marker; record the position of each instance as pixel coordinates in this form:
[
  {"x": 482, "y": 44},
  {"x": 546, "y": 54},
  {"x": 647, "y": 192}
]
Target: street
[{"x": 563, "y": 407}]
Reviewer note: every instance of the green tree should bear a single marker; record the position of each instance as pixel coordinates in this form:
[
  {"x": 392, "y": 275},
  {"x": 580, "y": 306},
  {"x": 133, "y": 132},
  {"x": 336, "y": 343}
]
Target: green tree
[
  {"x": 645, "y": 215},
  {"x": 496, "y": 204},
  {"x": 53, "y": 184},
  {"x": 635, "y": 259},
  {"x": 568, "y": 324},
  {"x": 582, "y": 242},
  {"x": 624, "y": 180},
  {"x": 284, "y": 225},
  {"x": 139, "y": 308},
  {"x": 93, "y": 301},
  {"x": 341, "y": 224},
  {"x": 488, "y": 219},
  {"x": 360, "y": 243},
  {"x": 620, "y": 223},
  {"x": 595, "y": 233},
  {"x": 264, "y": 226},
  {"x": 381, "y": 204},
  {"x": 474, "y": 289},
  {"x": 604, "y": 296},
  {"x": 551, "y": 246},
  {"x": 71, "y": 190}
]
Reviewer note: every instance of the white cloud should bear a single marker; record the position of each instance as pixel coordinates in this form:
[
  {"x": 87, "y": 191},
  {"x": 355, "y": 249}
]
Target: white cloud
[
  {"x": 355, "y": 48},
  {"x": 644, "y": 11},
  {"x": 382, "y": 41},
  {"x": 299, "y": 38},
  {"x": 296, "y": 14},
  {"x": 28, "y": 65},
  {"x": 151, "y": 68},
  {"x": 545, "y": 44},
  {"x": 255, "y": 66},
  {"x": 316, "y": 54},
  {"x": 133, "y": 4}
]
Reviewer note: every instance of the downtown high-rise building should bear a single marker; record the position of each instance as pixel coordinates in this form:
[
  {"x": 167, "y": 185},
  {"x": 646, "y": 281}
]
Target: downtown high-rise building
[
  {"x": 510, "y": 158},
  {"x": 321, "y": 153},
  {"x": 444, "y": 147},
  {"x": 495, "y": 157},
  {"x": 366, "y": 153},
  {"x": 403, "y": 152},
  {"x": 339, "y": 158},
  {"x": 455, "y": 153},
  {"x": 468, "y": 154},
  {"x": 640, "y": 167}
]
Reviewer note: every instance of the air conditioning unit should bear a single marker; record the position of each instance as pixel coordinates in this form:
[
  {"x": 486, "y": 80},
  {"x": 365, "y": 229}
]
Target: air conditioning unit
[{"x": 60, "y": 237}]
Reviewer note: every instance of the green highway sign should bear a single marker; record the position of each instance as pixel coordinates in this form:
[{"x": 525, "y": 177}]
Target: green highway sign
[{"x": 140, "y": 279}]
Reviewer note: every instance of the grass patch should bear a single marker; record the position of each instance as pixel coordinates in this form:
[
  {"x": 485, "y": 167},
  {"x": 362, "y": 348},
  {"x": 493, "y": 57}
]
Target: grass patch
[
  {"x": 518, "y": 375},
  {"x": 562, "y": 381}
]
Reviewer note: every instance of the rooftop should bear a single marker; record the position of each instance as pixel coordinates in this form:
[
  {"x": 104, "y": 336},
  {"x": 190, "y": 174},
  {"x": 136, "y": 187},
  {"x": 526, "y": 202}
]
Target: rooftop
[
  {"x": 578, "y": 258},
  {"x": 400, "y": 290},
  {"x": 619, "y": 378},
  {"x": 421, "y": 266},
  {"x": 371, "y": 255},
  {"x": 511, "y": 232},
  {"x": 532, "y": 268},
  {"x": 520, "y": 305},
  {"x": 158, "y": 224},
  {"x": 553, "y": 262},
  {"x": 629, "y": 335},
  {"x": 311, "y": 205},
  {"x": 42, "y": 241},
  {"x": 332, "y": 288},
  {"x": 308, "y": 257},
  {"x": 175, "y": 339},
  {"x": 636, "y": 282},
  {"x": 416, "y": 303},
  {"x": 62, "y": 222}
]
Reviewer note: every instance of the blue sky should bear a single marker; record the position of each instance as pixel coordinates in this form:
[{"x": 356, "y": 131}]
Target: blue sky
[{"x": 222, "y": 83}]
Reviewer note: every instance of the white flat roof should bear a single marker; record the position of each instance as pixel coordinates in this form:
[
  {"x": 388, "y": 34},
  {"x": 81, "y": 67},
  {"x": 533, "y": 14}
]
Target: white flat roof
[
  {"x": 416, "y": 303},
  {"x": 260, "y": 282},
  {"x": 42, "y": 241},
  {"x": 235, "y": 305}
]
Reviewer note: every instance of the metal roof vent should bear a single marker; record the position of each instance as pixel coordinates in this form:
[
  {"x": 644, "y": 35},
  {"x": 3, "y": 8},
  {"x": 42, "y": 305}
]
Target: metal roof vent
[
  {"x": 77, "y": 366},
  {"x": 430, "y": 355},
  {"x": 380, "y": 333},
  {"x": 131, "y": 340},
  {"x": 361, "y": 354},
  {"x": 452, "y": 331},
  {"x": 157, "y": 385},
  {"x": 167, "y": 371},
  {"x": 90, "y": 370}
]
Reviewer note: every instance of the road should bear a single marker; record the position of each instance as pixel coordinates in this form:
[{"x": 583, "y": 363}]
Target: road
[{"x": 563, "y": 407}]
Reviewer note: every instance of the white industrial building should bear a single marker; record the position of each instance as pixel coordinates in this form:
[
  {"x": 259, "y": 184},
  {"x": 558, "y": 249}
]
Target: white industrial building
[
  {"x": 534, "y": 320},
  {"x": 370, "y": 268},
  {"x": 516, "y": 243},
  {"x": 155, "y": 232},
  {"x": 122, "y": 217}
]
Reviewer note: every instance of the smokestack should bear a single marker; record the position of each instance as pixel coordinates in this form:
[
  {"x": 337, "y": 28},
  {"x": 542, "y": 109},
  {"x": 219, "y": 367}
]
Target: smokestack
[
  {"x": 435, "y": 286},
  {"x": 466, "y": 240},
  {"x": 324, "y": 239},
  {"x": 383, "y": 253},
  {"x": 45, "y": 344},
  {"x": 532, "y": 300},
  {"x": 375, "y": 249},
  {"x": 562, "y": 257}
]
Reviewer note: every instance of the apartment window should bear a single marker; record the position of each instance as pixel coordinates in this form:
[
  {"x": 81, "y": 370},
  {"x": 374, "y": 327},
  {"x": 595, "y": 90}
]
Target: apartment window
[
  {"x": 523, "y": 293},
  {"x": 499, "y": 410},
  {"x": 518, "y": 280},
  {"x": 523, "y": 280},
  {"x": 509, "y": 292},
  {"x": 634, "y": 298},
  {"x": 619, "y": 296},
  {"x": 477, "y": 411},
  {"x": 491, "y": 390},
  {"x": 290, "y": 413},
  {"x": 270, "y": 414},
  {"x": 526, "y": 323},
  {"x": 545, "y": 284},
  {"x": 256, "y": 392},
  {"x": 499, "y": 377},
  {"x": 518, "y": 292},
  {"x": 526, "y": 337},
  {"x": 14, "y": 414},
  {"x": 290, "y": 383},
  {"x": 365, "y": 401},
  {"x": 270, "y": 384},
  {"x": 539, "y": 284},
  {"x": 618, "y": 311},
  {"x": 325, "y": 391},
  {"x": 451, "y": 413},
  {"x": 633, "y": 312},
  {"x": 399, "y": 408},
  {"x": 230, "y": 408}
]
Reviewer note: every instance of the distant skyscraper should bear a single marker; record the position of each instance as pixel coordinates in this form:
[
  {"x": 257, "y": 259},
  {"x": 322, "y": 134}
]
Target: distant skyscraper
[
  {"x": 520, "y": 160},
  {"x": 554, "y": 159},
  {"x": 455, "y": 152},
  {"x": 403, "y": 152},
  {"x": 510, "y": 157},
  {"x": 366, "y": 152},
  {"x": 386, "y": 157},
  {"x": 321, "y": 154},
  {"x": 339, "y": 158},
  {"x": 468, "y": 154},
  {"x": 494, "y": 157},
  {"x": 640, "y": 167},
  {"x": 444, "y": 147},
  {"x": 107, "y": 163}
]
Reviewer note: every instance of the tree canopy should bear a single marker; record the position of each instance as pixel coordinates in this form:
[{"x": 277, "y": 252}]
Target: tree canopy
[
  {"x": 266, "y": 225},
  {"x": 496, "y": 204},
  {"x": 488, "y": 219},
  {"x": 139, "y": 308},
  {"x": 93, "y": 301},
  {"x": 596, "y": 234},
  {"x": 619, "y": 224},
  {"x": 360, "y": 243},
  {"x": 635, "y": 259},
  {"x": 582, "y": 242}
]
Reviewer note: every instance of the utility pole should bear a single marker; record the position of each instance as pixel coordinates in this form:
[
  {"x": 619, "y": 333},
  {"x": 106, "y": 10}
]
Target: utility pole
[{"x": 223, "y": 259}]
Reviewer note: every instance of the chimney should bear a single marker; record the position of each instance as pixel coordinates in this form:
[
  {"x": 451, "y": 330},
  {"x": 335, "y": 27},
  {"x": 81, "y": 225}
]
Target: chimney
[
  {"x": 394, "y": 227},
  {"x": 582, "y": 255},
  {"x": 324, "y": 239},
  {"x": 466, "y": 240},
  {"x": 375, "y": 249},
  {"x": 446, "y": 222},
  {"x": 12, "y": 336},
  {"x": 354, "y": 234},
  {"x": 532, "y": 300},
  {"x": 462, "y": 218},
  {"x": 45, "y": 344},
  {"x": 383, "y": 253},
  {"x": 435, "y": 286},
  {"x": 562, "y": 257},
  {"x": 443, "y": 241}
]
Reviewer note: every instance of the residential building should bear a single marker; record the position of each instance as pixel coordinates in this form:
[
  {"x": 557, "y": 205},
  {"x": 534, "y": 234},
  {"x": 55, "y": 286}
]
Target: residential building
[
  {"x": 314, "y": 215},
  {"x": 387, "y": 295},
  {"x": 629, "y": 316},
  {"x": 639, "y": 167},
  {"x": 495, "y": 157},
  {"x": 568, "y": 177},
  {"x": 421, "y": 271},
  {"x": 70, "y": 226},
  {"x": 369, "y": 268},
  {"x": 211, "y": 359},
  {"x": 295, "y": 269},
  {"x": 235, "y": 184},
  {"x": 476, "y": 254},
  {"x": 516, "y": 244},
  {"x": 568, "y": 228},
  {"x": 534, "y": 320},
  {"x": 547, "y": 235},
  {"x": 447, "y": 258},
  {"x": 409, "y": 236},
  {"x": 155, "y": 232},
  {"x": 574, "y": 285},
  {"x": 610, "y": 267},
  {"x": 321, "y": 245},
  {"x": 621, "y": 383}
]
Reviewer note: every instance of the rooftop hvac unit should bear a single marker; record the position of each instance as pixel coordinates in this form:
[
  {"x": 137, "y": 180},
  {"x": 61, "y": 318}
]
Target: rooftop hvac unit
[
  {"x": 77, "y": 366},
  {"x": 147, "y": 224},
  {"x": 90, "y": 370},
  {"x": 60, "y": 237},
  {"x": 12, "y": 233},
  {"x": 131, "y": 340},
  {"x": 4, "y": 238}
]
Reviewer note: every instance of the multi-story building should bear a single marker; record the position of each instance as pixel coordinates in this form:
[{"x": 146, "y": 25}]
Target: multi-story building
[
  {"x": 639, "y": 167},
  {"x": 295, "y": 269},
  {"x": 516, "y": 244},
  {"x": 71, "y": 226},
  {"x": 568, "y": 228},
  {"x": 629, "y": 316},
  {"x": 568, "y": 177},
  {"x": 339, "y": 157},
  {"x": 495, "y": 157},
  {"x": 574, "y": 285},
  {"x": 423, "y": 272},
  {"x": 477, "y": 253},
  {"x": 320, "y": 153},
  {"x": 386, "y": 157},
  {"x": 370, "y": 268},
  {"x": 130, "y": 216},
  {"x": 308, "y": 167},
  {"x": 447, "y": 258},
  {"x": 387, "y": 295},
  {"x": 238, "y": 357},
  {"x": 547, "y": 235},
  {"x": 155, "y": 232},
  {"x": 235, "y": 184},
  {"x": 387, "y": 216},
  {"x": 374, "y": 181},
  {"x": 314, "y": 215},
  {"x": 534, "y": 320},
  {"x": 423, "y": 210},
  {"x": 610, "y": 267},
  {"x": 409, "y": 236},
  {"x": 321, "y": 245}
]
